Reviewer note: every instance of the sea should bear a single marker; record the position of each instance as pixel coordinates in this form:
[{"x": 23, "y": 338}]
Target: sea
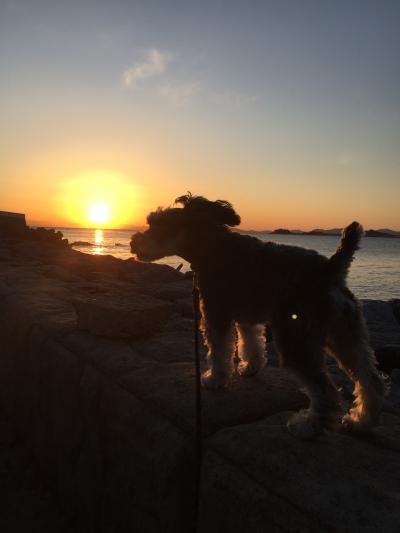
[{"x": 374, "y": 274}]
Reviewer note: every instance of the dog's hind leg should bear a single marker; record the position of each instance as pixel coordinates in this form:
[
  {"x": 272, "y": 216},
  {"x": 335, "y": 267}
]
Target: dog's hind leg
[
  {"x": 306, "y": 359},
  {"x": 348, "y": 343},
  {"x": 251, "y": 348}
]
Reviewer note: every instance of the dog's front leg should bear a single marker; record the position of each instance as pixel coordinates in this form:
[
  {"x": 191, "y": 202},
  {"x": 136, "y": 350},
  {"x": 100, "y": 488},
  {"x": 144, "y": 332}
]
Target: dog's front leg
[
  {"x": 220, "y": 339},
  {"x": 251, "y": 348},
  {"x": 221, "y": 349}
]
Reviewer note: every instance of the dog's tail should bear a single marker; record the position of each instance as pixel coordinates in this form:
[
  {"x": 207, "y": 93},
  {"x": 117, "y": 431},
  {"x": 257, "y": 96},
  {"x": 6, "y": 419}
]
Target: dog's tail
[{"x": 340, "y": 261}]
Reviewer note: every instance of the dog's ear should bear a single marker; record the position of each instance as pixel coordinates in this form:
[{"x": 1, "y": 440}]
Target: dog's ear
[{"x": 218, "y": 213}]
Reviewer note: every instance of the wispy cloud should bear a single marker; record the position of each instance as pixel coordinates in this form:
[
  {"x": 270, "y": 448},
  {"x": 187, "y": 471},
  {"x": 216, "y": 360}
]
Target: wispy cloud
[
  {"x": 178, "y": 94},
  {"x": 154, "y": 64}
]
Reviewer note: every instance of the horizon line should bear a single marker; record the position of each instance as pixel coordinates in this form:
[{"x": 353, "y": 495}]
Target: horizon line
[{"x": 245, "y": 230}]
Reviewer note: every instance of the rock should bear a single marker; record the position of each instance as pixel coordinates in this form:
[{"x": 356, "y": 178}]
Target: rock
[
  {"x": 395, "y": 375},
  {"x": 257, "y": 477},
  {"x": 132, "y": 265},
  {"x": 58, "y": 272},
  {"x": 396, "y": 308},
  {"x": 81, "y": 243},
  {"x": 102, "y": 275},
  {"x": 170, "y": 389},
  {"x": 168, "y": 347},
  {"x": 136, "y": 317},
  {"x": 184, "y": 306},
  {"x": 174, "y": 291},
  {"x": 189, "y": 274},
  {"x": 388, "y": 358},
  {"x": 50, "y": 236},
  {"x": 382, "y": 324},
  {"x": 160, "y": 274}
]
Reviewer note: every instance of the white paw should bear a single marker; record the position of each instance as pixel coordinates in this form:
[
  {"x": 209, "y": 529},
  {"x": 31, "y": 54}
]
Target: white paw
[
  {"x": 251, "y": 368},
  {"x": 212, "y": 381},
  {"x": 304, "y": 426}
]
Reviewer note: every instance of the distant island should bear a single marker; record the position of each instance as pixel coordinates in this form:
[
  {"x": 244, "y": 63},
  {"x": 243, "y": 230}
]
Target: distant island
[{"x": 386, "y": 233}]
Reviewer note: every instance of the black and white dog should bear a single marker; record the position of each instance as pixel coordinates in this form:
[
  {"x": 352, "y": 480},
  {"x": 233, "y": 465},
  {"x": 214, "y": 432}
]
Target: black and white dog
[{"x": 245, "y": 283}]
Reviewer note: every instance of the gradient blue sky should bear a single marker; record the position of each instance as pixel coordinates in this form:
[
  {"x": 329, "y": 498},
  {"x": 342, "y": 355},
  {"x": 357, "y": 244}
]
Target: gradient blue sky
[{"x": 289, "y": 109}]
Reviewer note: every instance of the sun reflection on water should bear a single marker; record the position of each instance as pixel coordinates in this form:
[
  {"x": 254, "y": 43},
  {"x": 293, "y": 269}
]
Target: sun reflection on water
[{"x": 98, "y": 241}]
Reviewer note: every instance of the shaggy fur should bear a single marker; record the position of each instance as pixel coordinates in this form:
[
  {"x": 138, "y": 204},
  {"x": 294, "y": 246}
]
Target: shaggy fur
[{"x": 245, "y": 284}]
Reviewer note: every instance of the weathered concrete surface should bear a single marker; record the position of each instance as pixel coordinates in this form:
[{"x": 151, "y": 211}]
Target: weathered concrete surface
[{"x": 111, "y": 421}]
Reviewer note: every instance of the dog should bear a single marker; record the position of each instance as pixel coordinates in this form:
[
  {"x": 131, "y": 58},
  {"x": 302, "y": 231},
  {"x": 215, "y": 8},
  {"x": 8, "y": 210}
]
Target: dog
[{"x": 245, "y": 284}]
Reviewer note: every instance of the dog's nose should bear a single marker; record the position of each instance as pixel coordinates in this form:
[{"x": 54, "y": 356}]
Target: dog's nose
[{"x": 135, "y": 242}]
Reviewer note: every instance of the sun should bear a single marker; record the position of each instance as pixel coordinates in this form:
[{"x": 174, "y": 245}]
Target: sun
[
  {"x": 101, "y": 198},
  {"x": 99, "y": 213}
]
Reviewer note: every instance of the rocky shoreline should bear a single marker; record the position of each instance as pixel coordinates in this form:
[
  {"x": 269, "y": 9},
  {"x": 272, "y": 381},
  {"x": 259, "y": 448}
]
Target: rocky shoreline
[{"x": 96, "y": 372}]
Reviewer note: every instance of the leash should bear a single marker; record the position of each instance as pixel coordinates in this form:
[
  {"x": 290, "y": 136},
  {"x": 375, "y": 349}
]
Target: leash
[{"x": 198, "y": 417}]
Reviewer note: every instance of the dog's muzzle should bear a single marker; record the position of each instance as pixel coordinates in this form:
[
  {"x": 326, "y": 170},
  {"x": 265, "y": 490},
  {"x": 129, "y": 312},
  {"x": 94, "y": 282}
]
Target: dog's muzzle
[{"x": 135, "y": 243}]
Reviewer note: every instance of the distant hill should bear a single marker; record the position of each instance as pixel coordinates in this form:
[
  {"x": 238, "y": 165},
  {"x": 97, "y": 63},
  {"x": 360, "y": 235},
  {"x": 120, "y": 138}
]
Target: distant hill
[
  {"x": 334, "y": 232},
  {"x": 252, "y": 231},
  {"x": 282, "y": 231},
  {"x": 389, "y": 231},
  {"x": 381, "y": 233}
]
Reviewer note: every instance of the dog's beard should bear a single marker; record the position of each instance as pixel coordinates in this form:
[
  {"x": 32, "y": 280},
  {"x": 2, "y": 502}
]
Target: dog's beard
[
  {"x": 148, "y": 249},
  {"x": 148, "y": 257}
]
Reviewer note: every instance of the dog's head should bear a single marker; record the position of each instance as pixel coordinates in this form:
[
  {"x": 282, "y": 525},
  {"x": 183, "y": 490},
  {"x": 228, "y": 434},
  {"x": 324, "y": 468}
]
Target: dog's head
[{"x": 171, "y": 231}]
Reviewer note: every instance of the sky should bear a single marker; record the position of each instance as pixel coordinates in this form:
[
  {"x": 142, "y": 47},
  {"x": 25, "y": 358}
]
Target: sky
[{"x": 289, "y": 109}]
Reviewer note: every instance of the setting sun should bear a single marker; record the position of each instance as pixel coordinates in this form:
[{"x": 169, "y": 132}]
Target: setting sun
[
  {"x": 99, "y": 198},
  {"x": 99, "y": 213}
]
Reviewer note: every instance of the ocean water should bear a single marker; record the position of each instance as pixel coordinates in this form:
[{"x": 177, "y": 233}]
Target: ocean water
[{"x": 375, "y": 272}]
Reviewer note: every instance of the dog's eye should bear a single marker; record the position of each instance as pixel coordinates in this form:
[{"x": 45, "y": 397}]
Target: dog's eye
[{"x": 294, "y": 316}]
